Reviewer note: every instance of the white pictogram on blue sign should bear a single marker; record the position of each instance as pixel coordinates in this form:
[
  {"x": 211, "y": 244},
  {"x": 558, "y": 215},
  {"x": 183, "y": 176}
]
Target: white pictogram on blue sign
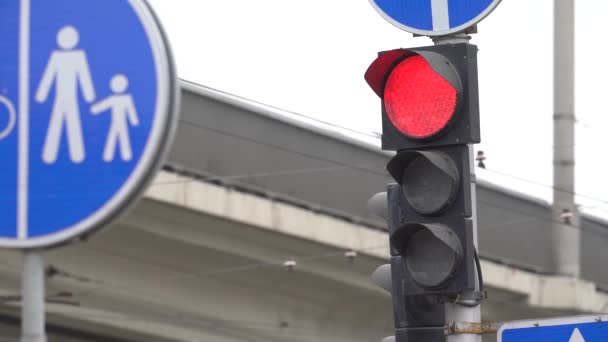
[
  {"x": 576, "y": 336},
  {"x": 68, "y": 72},
  {"x": 434, "y": 17},
  {"x": 567, "y": 329},
  {"x": 123, "y": 112},
  {"x": 10, "y": 117},
  {"x": 87, "y": 112}
]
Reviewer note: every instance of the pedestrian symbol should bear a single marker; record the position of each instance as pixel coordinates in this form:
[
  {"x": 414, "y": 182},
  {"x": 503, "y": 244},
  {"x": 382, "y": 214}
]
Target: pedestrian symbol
[
  {"x": 87, "y": 112},
  {"x": 123, "y": 113},
  {"x": 68, "y": 71}
]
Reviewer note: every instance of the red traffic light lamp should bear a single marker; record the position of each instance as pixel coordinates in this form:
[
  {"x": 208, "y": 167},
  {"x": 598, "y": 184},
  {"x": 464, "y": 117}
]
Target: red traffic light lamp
[{"x": 428, "y": 94}]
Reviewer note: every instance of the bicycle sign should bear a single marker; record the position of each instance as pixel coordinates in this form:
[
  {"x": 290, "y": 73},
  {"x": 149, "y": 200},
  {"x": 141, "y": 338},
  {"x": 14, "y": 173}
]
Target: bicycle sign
[{"x": 88, "y": 107}]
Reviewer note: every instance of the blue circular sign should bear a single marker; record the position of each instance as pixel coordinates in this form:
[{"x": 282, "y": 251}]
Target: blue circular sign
[
  {"x": 88, "y": 108},
  {"x": 434, "y": 17}
]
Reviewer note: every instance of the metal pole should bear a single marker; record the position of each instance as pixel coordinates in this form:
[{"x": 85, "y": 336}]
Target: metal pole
[
  {"x": 32, "y": 285},
  {"x": 565, "y": 231},
  {"x": 457, "y": 312}
]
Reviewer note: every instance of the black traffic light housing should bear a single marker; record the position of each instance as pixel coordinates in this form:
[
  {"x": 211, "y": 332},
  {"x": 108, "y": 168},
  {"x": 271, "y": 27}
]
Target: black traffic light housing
[
  {"x": 450, "y": 224},
  {"x": 430, "y": 116},
  {"x": 457, "y": 63},
  {"x": 416, "y": 316},
  {"x": 413, "y": 311}
]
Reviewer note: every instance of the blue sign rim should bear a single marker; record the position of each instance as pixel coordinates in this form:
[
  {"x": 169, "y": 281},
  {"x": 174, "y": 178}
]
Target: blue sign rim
[
  {"x": 155, "y": 152},
  {"x": 432, "y": 33},
  {"x": 549, "y": 323}
]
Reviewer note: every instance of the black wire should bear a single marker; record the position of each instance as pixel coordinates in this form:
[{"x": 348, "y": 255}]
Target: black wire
[
  {"x": 327, "y": 123},
  {"x": 282, "y": 148},
  {"x": 479, "y": 272},
  {"x": 553, "y": 187},
  {"x": 480, "y": 294},
  {"x": 365, "y": 170},
  {"x": 603, "y": 234},
  {"x": 252, "y": 140}
]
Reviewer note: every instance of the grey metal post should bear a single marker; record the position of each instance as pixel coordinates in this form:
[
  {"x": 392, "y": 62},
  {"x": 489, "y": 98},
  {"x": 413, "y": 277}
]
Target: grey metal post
[
  {"x": 457, "y": 312},
  {"x": 565, "y": 237},
  {"x": 33, "y": 296}
]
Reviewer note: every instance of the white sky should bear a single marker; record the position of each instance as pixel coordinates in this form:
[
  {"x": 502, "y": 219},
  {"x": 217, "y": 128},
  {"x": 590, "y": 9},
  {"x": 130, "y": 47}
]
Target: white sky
[{"x": 309, "y": 56}]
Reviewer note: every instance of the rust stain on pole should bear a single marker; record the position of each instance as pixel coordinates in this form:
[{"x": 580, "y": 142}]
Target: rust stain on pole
[{"x": 471, "y": 328}]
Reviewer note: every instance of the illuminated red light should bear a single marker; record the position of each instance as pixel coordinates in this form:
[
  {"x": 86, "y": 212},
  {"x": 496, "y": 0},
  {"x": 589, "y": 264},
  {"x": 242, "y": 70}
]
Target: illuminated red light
[{"x": 419, "y": 102}]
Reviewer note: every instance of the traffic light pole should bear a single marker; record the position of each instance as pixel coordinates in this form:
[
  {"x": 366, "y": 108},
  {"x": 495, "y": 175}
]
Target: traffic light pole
[
  {"x": 457, "y": 312},
  {"x": 466, "y": 311}
]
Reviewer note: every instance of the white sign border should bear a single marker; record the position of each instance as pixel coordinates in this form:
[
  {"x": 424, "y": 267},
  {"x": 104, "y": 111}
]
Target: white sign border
[
  {"x": 156, "y": 149},
  {"x": 539, "y": 323},
  {"x": 432, "y": 33}
]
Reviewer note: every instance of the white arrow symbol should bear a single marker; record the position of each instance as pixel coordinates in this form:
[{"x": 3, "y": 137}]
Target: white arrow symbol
[
  {"x": 441, "y": 14},
  {"x": 576, "y": 336}
]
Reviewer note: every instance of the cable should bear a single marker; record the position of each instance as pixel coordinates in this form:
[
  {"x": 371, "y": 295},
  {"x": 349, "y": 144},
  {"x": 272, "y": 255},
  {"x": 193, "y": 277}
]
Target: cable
[
  {"x": 283, "y": 112},
  {"x": 280, "y": 148},
  {"x": 479, "y": 295},
  {"x": 279, "y": 263},
  {"x": 264, "y": 327},
  {"x": 603, "y": 234},
  {"x": 479, "y": 271},
  {"x": 372, "y": 172},
  {"x": 367, "y": 134},
  {"x": 366, "y": 170},
  {"x": 300, "y": 171},
  {"x": 221, "y": 271},
  {"x": 263, "y": 174},
  {"x": 162, "y": 316},
  {"x": 547, "y": 186},
  {"x": 539, "y": 217}
]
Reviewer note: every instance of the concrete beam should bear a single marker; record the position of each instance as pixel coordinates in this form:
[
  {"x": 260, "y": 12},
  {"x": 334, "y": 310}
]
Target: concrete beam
[
  {"x": 266, "y": 214},
  {"x": 541, "y": 291}
]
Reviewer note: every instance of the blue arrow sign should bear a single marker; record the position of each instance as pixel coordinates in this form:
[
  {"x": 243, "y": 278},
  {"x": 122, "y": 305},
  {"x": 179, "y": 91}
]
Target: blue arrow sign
[
  {"x": 87, "y": 111},
  {"x": 569, "y": 329},
  {"x": 434, "y": 17}
]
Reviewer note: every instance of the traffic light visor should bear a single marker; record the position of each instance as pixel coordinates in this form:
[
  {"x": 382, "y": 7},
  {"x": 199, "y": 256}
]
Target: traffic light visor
[
  {"x": 420, "y": 90},
  {"x": 429, "y": 179},
  {"x": 431, "y": 252}
]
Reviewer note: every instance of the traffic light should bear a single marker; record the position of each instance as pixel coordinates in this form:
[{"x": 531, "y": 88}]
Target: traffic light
[
  {"x": 429, "y": 96},
  {"x": 430, "y": 115}
]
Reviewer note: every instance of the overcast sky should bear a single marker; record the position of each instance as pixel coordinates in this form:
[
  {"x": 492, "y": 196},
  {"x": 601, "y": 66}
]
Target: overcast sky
[{"x": 309, "y": 56}]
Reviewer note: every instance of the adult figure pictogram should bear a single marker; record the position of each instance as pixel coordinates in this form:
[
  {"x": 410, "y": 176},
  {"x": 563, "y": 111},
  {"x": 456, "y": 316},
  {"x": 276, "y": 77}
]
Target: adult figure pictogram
[{"x": 68, "y": 71}]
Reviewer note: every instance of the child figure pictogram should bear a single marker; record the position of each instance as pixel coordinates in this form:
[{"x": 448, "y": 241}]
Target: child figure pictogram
[{"x": 123, "y": 112}]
